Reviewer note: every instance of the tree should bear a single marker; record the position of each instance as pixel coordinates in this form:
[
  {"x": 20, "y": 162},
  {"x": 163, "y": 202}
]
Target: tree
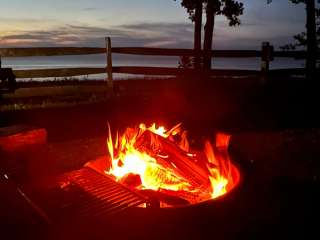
[
  {"x": 300, "y": 40},
  {"x": 308, "y": 38},
  {"x": 231, "y": 9},
  {"x": 195, "y": 10}
]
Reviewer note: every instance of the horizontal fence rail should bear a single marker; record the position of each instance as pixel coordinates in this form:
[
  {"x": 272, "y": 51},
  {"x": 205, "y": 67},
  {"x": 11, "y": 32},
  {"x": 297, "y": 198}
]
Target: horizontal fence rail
[
  {"x": 64, "y": 72},
  {"x": 160, "y": 71},
  {"x": 60, "y": 51},
  {"x": 49, "y": 51},
  {"x": 212, "y": 53},
  {"x": 185, "y": 52},
  {"x": 289, "y": 71},
  {"x": 167, "y": 71}
]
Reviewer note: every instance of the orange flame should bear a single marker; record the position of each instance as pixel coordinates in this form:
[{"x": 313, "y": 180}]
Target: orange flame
[{"x": 152, "y": 167}]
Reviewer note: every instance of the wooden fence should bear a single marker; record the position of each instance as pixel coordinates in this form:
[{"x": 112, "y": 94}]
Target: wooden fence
[{"x": 266, "y": 55}]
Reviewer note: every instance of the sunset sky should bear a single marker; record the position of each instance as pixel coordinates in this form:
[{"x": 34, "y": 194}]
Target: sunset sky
[{"x": 150, "y": 23}]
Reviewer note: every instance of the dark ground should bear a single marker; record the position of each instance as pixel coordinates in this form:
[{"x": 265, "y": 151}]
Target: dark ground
[
  {"x": 276, "y": 142},
  {"x": 229, "y": 104}
]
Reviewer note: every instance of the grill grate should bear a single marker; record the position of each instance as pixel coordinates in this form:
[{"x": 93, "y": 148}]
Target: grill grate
[{"x": 103, "y": 195}]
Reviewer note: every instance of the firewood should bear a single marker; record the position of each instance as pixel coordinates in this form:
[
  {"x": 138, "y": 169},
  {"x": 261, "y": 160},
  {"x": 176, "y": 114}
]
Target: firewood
[
  {"x": 100, "y": 164},
  {"x": 190, "y": 197},
  {"x": 131, "y": 180},
  {"x": 156, "y": 145},
  {"x": 169, "y": 199}
]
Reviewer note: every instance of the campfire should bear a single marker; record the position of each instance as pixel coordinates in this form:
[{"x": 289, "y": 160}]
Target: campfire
[{"x": 161, "y": 164}]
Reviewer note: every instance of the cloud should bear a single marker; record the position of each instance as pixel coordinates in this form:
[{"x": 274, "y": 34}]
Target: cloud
[
  {"x": 276, "y": 22},
  {"x": 90, "y": 9},
  {"x": 40, "y": 39},
  {"x": 27, "y": 21},
  {"x": 158, "y": 34},
  {"x": 171, "y": 35}
]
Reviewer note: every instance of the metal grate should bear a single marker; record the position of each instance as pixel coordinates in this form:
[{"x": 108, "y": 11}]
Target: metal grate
[{"x": 104, "y": 196}]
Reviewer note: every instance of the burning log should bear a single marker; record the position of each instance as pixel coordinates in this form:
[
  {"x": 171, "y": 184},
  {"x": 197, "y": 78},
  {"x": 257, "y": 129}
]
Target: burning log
[
  {"x": 152, "y": 158},
  {"x": 180, "y": 162},
  {"x": 131, "y": 180},
  {"x": 167, "y": 198},
  {"x": 190, "y": 197}
]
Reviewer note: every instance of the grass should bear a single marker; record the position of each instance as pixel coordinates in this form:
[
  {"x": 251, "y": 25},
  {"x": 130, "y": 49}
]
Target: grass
[
  {"x": 64, "y": 92},
  {"x": 49, "y": 103},
  {"x": 47, "y": 94},
  {"x": 73, "y": 91}
]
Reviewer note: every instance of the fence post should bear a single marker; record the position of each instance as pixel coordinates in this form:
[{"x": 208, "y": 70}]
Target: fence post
[
  {"x": 109, "y": 63},
  {"x": 266, "y": 58}
]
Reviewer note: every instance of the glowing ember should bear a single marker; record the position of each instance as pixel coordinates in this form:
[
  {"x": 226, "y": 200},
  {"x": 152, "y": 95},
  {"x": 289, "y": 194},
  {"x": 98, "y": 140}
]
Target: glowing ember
[{"x": 153, "y": 158}]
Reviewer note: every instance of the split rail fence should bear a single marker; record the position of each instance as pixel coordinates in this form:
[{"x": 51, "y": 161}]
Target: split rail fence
[{"x": 266, "y": 54}]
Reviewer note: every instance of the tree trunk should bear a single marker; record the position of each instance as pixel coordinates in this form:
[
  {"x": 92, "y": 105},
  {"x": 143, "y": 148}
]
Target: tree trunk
[
  {"x": 311, "y": 39},
  {"x": 207, "y": 45},
  {"x": 197, "y": 34}
]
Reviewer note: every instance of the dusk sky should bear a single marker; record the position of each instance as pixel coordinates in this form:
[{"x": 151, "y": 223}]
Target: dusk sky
[{"x": 149, "y": 23}]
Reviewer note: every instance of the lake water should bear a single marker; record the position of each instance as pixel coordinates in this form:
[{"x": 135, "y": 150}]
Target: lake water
[{"x": 99, "y": 60}]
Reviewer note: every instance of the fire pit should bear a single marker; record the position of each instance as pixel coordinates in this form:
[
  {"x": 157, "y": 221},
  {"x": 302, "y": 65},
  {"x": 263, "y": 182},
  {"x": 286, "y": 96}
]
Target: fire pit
[
  {"x": 94, "y": 202},
  {"x": 145, "y": 167},
  {"x": 162, "y": 166}
]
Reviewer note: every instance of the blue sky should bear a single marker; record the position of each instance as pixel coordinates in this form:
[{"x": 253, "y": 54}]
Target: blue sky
[{"x": 153, "y": 23}]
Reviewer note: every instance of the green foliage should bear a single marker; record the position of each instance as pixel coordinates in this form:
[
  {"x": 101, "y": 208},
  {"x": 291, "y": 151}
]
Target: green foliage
[
  {"x": 191, "y": 6},
  {"x": 300, "y": 40},
  {"x": 231, "y": 9},
  {"x": 293, "y": 1},
  {"x": 186, "y": 62}
]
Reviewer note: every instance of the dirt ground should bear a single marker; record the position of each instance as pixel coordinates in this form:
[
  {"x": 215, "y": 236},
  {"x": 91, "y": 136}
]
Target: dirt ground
[{"x": 275, "y": 140}]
